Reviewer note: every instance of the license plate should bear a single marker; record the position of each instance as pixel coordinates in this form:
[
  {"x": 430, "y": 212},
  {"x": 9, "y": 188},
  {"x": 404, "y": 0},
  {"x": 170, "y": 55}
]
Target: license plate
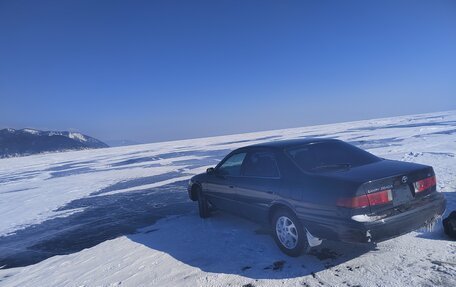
[{"x": 402, "y": 194}]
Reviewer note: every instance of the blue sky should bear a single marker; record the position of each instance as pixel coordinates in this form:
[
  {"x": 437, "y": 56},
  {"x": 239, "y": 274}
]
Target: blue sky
[{"x": 162, "y": 70}]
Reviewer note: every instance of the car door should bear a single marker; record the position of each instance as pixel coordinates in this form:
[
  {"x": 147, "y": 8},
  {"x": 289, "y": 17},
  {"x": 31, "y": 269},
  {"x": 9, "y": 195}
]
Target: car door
[
  {"x": 219, "y": 187},
  {"x": 258, "y": 185}
]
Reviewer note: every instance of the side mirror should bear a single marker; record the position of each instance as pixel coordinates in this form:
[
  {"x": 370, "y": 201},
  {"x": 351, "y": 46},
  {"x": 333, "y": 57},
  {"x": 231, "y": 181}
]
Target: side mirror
[{"x": 210, "y": 170}]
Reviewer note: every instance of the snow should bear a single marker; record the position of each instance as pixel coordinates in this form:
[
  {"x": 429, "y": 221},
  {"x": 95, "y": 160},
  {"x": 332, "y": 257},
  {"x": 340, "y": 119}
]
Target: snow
[
  {"x": 52, "y": 133},
  {"x": 121, "y": 217},
  {"x": 31, "y": 131},
  {"x": 77, "y": 136}
]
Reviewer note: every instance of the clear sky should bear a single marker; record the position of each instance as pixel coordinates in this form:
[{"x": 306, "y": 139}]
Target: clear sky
[{"x": 162, "y": 70}]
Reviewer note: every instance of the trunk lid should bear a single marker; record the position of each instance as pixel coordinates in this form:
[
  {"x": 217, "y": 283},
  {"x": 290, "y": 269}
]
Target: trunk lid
[
  {"x": 402, "y": 188},
  {"x": 397, "y": 176},
  {"x": 378, "y": 170}
]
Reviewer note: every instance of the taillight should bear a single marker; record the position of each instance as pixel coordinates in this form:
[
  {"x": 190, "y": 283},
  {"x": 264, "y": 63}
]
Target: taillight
[
  {"x": 380, "y": 197},
  {"x": 424, "y": 184},
  {"x": 371, "y": 199},
  {"x": 353, "y": 202}
]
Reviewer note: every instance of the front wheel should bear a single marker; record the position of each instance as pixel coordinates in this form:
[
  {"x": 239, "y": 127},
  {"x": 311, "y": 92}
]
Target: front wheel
[
  {"x": 203, "y": 205},
  {"x": 289, "y": 234}
]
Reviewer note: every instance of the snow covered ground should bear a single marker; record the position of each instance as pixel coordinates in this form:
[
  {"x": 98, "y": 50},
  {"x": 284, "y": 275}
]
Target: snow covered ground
[{"x": 121, "y": 217}]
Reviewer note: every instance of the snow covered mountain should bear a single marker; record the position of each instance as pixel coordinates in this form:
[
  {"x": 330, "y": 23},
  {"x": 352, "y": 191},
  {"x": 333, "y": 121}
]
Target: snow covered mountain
[
  {"x": 121, "y": 217},
  {"x": 30, "y": 141}
]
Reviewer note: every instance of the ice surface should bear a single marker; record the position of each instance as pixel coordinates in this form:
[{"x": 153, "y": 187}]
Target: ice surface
[{"x": 121, "y": 216}]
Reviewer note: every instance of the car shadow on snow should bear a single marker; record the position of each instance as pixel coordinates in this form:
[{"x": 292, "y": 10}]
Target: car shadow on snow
[{"x": 227, "y": 244}]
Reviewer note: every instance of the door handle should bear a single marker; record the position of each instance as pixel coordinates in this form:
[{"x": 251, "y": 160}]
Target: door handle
[
  {"x": 270, "y": 192},
  {"x": 231, "y": 186}
]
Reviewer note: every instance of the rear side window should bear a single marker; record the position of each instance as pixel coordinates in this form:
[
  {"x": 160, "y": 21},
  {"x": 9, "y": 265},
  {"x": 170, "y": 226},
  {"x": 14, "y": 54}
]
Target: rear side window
[
  {"x": 232, "y": 166},
  {"x": 328, "y": 156},
  {"x": 260, "y": 164}
]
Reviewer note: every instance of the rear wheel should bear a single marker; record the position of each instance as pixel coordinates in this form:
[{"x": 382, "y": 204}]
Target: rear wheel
[
  {"x": 203, "y": 204},
  {"x": 289, "y": 234}
]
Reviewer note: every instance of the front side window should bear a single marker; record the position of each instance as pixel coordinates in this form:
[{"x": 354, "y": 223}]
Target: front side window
[
  {"x": 260, "y": 164},
  {"x": 232, "y": 166}
]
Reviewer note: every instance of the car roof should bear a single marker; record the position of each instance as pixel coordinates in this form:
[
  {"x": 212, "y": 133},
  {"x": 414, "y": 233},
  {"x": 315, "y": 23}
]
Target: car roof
[{"x": 282, "y": 144}]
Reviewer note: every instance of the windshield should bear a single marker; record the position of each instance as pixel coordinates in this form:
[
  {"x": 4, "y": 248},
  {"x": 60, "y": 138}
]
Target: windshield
[{"x": 328, "y": 156}]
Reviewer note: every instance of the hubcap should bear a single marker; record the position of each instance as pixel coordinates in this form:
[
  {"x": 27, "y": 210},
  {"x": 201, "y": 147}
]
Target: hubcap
[{"x": 286, "y": 232}]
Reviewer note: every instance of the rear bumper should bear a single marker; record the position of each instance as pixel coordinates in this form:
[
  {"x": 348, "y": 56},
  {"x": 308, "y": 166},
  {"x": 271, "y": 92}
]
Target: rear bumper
[{"x": 427, "y": 211}]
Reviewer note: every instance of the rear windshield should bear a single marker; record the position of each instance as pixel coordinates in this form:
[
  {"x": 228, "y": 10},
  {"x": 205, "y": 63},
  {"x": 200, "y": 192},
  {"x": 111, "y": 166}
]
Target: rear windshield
[{"x": 328, "y": 156}]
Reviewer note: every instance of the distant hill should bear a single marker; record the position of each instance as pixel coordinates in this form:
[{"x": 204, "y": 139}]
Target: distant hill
[{"x": 30, "y": 141}]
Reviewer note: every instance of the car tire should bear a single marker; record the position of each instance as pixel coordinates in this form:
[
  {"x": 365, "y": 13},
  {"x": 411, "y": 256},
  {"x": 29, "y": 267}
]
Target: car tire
[
  {"x": 203, "y": 205},
  {"x": 289, "y": 233}
]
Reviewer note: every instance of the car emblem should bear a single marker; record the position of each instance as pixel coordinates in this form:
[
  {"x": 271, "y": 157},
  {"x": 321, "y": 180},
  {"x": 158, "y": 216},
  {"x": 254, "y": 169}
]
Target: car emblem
[{"x": 404, "y": 179}]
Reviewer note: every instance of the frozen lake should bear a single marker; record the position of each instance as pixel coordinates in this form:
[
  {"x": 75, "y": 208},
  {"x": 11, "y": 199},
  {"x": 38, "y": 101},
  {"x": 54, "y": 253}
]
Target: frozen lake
[{"x": 121, "y": 216}]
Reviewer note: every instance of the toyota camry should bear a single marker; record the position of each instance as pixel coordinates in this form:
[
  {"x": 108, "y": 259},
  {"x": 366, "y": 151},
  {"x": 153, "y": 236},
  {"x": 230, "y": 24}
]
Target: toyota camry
[{"x": 308, "y": 190}]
